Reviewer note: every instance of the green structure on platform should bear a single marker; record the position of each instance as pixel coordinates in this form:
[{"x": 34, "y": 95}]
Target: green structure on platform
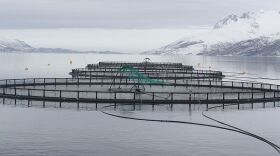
[{"x": 139, "y": 79}]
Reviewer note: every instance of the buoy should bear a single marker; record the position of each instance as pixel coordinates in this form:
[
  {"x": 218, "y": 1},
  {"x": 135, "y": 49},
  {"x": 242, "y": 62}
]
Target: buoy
[
  {"x": 49, "y": 64},
  {"x": 71, "y": 61},
  {"x": 26, "y": 68}
]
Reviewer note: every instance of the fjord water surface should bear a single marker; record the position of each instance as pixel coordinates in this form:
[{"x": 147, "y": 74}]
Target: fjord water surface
[{"x": 63, "y": 132}]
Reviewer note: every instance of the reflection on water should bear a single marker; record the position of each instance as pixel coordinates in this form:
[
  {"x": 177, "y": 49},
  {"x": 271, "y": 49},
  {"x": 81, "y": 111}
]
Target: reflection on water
[{"x": 50, "y": 131}]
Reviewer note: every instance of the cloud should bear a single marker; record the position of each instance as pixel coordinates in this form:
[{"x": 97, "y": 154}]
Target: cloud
[{"x": 122, "y": 13}]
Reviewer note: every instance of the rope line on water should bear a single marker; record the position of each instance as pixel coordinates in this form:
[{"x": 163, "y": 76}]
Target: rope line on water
[
  {"x": 232, "y": 128},
  {"x": 253, "y": 78},
  {"x": 276, "y": 147}
]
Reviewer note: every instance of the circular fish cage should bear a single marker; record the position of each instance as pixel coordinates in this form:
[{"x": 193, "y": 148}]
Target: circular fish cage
[
  {"x": 163, "y": 71},
  {"x": 122, "y": 83}
]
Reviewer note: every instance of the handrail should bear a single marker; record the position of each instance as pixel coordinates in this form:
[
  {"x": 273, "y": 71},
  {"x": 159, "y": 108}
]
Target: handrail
[
  {"x": 190, "y": 80},
  {"x": 257, "y": 92}
]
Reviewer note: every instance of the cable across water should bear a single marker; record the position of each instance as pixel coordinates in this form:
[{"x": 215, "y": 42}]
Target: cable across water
[{"x": 228, "y": 126}]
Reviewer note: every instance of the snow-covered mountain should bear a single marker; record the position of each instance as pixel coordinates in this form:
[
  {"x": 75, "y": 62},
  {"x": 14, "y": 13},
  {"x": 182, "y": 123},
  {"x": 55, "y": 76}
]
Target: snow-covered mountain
[
  {"x": 8, "y": 45},
  {"x": 250, "y": 34},
  {"x": 261, "y": 46}
]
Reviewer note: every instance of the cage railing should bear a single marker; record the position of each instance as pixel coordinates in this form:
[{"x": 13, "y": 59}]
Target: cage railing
[{"x": 15, "y": 88}]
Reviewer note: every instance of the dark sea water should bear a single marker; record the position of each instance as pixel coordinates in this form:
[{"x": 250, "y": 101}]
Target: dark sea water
[{"x": 69, "y": 132}]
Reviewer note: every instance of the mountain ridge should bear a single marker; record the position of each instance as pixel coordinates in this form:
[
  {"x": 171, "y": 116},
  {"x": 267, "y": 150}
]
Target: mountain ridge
[
  {"x": 16, "y": 45},
  {"x": 251, "y": 28}
]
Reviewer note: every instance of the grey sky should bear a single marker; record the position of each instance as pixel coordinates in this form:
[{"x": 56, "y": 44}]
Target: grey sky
[
  {"x": 116, "y": 25},
  {"x": 123, "y": 14}
]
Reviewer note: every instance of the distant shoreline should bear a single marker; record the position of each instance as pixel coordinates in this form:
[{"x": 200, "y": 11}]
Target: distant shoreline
[{"x": 50, "y": 52}]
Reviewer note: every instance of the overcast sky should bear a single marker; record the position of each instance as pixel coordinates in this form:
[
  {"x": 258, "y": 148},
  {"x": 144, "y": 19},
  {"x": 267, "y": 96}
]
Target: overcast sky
[
  {"x": 116, "y": 25},
  {"x": 122, "y": 13}
]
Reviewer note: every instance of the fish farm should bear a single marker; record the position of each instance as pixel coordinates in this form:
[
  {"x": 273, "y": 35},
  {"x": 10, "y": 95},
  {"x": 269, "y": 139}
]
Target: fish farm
[
  {"x": 146, "y": 82},
  {"x": 125, "y": 85}
]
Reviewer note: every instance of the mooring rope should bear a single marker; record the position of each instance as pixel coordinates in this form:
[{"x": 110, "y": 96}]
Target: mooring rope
[
  {"x": 241, "y": 75},
  {"x": 255, "y": 78},
  {"x": 232, "y": 128}
]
